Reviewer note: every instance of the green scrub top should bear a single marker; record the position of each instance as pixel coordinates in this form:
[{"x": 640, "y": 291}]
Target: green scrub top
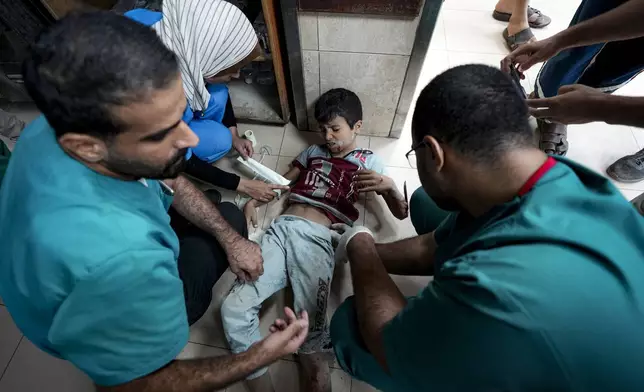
[
  {"x": 544, "y": 293},
  {"x": 88, "y": 268}
]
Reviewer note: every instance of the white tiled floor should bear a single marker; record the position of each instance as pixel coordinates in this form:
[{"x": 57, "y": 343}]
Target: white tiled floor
[{"x": 466, "y": 33}]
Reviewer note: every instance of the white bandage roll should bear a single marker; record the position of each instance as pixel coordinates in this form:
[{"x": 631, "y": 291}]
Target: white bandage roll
[{"x": 251, "y": 136}]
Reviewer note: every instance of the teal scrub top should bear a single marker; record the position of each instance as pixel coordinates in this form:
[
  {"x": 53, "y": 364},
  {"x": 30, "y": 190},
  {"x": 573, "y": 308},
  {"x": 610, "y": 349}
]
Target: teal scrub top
[
  {"x": 89, "y": 263},
  {"x": 544, "y": 293}
]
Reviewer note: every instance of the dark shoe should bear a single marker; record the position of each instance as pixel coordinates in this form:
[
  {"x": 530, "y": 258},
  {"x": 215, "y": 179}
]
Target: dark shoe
[
  {"x": 553, "y": 137},
  {"x": 213, "y": 195},
  {"x": 536, "y": 19},
  {"x": 638, "y": 203},
  {"x": 628, "y": 169},
  {"x": 518, "y": 39}
]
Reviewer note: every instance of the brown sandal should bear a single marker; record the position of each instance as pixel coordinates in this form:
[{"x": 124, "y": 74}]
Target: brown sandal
[
  {"x": 518, "y": 39},
  {"x": 553, "y": 137}
]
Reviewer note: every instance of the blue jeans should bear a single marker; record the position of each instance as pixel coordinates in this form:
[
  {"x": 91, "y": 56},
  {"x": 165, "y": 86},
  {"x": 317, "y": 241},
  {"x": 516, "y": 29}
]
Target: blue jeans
[
  {"x": 603, "y": 66},
  {"x": 298, "y": 252}
]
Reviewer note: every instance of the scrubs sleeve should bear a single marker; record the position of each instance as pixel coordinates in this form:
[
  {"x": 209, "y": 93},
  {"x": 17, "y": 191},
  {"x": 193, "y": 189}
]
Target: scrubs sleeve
[{"x": 126, "y": 320}]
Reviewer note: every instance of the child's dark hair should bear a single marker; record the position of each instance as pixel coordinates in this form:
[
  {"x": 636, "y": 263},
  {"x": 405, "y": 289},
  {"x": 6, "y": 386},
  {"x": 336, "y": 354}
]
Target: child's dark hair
[{"x": 338, "y": 102}]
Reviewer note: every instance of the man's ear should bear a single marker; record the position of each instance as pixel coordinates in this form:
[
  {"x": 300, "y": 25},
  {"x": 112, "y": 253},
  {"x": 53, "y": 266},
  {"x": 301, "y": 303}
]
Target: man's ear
[
  {"x": 86, "y": 147},
  {"x": 438, "y": 154},
  {"x": 357, "y": 126}
]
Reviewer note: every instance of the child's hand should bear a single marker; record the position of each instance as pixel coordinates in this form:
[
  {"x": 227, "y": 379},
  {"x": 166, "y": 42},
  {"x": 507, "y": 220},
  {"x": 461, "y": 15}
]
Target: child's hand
[
  {"x": 250, "y": 212},
  {"x": 369, "y": 180}
]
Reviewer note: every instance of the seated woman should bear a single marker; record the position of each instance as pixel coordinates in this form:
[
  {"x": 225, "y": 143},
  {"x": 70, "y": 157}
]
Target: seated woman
[{"x": 212, "y": 40}]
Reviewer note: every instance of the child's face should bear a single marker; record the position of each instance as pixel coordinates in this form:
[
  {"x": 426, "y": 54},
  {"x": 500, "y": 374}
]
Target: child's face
[{"x": 338, "y": 135}]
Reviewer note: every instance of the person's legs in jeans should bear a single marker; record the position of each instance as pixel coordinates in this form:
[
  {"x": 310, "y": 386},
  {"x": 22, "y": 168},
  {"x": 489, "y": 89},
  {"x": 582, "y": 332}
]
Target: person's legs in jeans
[
  {"x": 202, "y": 260},
  {"x": 310, "y": 263},
  {"x": 240, "y": 310},
  {"x": 604, "y": 66},
  {"x": 424, "y": 213}
]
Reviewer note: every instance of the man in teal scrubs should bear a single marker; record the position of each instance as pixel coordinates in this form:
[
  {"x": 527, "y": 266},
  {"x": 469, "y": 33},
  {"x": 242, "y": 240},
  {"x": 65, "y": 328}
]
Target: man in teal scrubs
[
  {"x": 538, "y": 268},
  {"x": 92, "y": 269}
]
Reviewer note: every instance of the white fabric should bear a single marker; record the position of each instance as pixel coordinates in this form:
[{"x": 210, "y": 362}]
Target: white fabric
[
  {"x": 341, "y": 235},
  {"x": 208, "y": 36}
]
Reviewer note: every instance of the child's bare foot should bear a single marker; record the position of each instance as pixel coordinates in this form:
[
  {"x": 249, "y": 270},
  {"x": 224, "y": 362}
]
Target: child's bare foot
[
  {"x": 316, "y": 372},
  {"x": 262, "y": 383}
]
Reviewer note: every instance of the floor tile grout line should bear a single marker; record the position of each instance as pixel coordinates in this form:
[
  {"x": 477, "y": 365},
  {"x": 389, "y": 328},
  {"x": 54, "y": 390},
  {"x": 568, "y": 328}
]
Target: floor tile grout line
[
  {"x": 11, "y": 358},
  {"x": 635, "y": 138},
  {"x": 208, "y": 345},
  {"x": 283, "y": 136}
]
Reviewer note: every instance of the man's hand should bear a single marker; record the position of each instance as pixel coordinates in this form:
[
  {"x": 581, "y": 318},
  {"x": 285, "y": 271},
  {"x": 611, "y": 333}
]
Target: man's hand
[
  {"x": 243, "y": 146},
  {"x": 245, "y": 259},
  {"x": 575, "y": 104},
  {"x": 259, "y": 190},
  {"x": 530, "y": 54},
  {"x": 286, "y": 336},
  {"x": 341, "y": 236},
  {"x": 369, "y": 180}
]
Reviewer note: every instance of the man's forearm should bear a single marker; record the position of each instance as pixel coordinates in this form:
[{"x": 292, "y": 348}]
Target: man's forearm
[
  {"x": 623, "y": 110},
  {"x": 621, "y": 23},
  {"x": 196, "y": 375},
  {"x": 195, "y": 207},
  {"x": 378, "y": 299},
  {"x": 411, "y": 256}
]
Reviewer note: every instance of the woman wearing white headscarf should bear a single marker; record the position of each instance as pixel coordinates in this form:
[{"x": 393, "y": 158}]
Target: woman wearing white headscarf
[{"x": 212, "y": 40}]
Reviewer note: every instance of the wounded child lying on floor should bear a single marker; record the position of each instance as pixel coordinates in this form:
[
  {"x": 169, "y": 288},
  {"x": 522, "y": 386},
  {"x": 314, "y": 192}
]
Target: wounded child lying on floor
[{"x": 327, "y": 180}]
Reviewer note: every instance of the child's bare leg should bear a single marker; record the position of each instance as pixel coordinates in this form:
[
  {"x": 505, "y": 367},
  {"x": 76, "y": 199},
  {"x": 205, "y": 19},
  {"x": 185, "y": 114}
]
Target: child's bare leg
[
  {"x": 316, "y": 372},
  {"x": 262, "y": 383}
]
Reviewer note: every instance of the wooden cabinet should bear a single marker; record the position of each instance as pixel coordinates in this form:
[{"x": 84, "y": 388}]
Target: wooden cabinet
[{"x": 256, "y": 97}]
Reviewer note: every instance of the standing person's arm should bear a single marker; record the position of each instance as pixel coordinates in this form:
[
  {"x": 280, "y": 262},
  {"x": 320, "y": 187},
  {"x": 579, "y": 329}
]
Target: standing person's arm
[
  {"x": 621, "y": 23},
  {"x": 244, "y": 256},
  {"x": 214, "y": 373},
  {"x": 578, "y": 104}
]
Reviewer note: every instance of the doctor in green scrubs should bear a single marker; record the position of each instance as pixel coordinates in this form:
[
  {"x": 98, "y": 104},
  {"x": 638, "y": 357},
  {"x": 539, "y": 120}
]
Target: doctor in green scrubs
[
  {"x": 537, "y": 262},
  {"x": 93, "y": 268}
]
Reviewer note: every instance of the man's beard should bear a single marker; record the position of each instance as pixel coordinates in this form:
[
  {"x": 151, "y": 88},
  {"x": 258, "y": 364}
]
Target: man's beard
[{"x": 139, "y": 169}]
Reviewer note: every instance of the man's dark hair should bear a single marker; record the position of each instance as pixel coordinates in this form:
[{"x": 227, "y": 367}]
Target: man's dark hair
[
  {"x": 338, "y": 102},
  {"x": 88, "y": 63},
  {"x": 476, "y": 110}
]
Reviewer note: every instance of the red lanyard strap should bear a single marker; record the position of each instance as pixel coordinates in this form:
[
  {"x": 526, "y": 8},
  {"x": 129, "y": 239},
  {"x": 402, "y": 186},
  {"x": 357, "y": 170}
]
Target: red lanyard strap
[{"x": 541, "y": 171}]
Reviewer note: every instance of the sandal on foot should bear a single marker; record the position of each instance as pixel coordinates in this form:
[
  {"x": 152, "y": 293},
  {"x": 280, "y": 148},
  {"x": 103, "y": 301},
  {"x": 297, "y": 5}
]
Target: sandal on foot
[
  {"x": 518, "y": 39},
  {"x": 553, "y": 137},
  {"x": 628, "y": 169},
  {"x": 536, "y": 19}
]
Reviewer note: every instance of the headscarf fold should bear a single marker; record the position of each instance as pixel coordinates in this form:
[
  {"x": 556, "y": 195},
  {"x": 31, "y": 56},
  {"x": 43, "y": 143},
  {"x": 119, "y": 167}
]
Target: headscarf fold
[{"x": 208, "y": 36}]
